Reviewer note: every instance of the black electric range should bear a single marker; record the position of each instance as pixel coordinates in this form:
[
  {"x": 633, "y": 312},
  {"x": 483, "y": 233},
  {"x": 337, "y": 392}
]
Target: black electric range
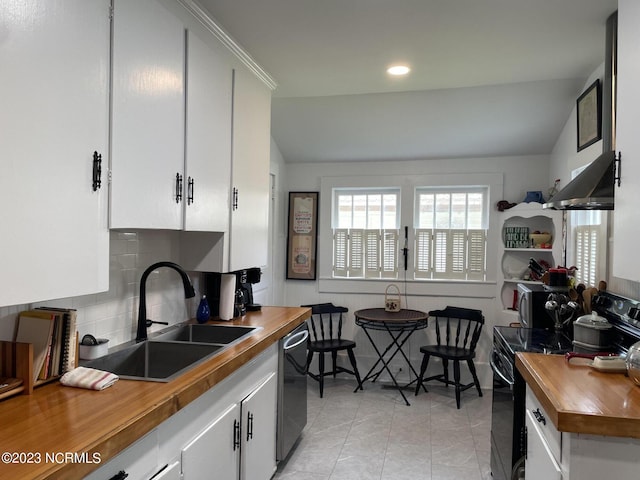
[{"x": 508, "y": 404}]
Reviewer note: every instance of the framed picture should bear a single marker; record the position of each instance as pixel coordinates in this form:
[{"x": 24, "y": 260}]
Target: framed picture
[
  {"x": 301, "y": 239},
  {"x": 589, "y": 114}
]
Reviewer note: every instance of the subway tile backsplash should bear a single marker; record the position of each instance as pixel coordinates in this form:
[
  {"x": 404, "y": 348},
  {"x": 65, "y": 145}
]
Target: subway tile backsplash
[{"x": 113, "y": 314}]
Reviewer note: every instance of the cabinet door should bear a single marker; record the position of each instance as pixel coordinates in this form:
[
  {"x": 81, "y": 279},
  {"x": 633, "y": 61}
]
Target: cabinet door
[
  {"x": 147, "y": 116},
  {"x": 627, "y": 196},
  {"x": 208, "y": 136},
  {"x": 258, "y": 461},
  {"x": 539, "y": 464},
  {"x": 215, "y": 452},
  {"x": 54, "y": 115},
  {"x": 250, "y": 172}
]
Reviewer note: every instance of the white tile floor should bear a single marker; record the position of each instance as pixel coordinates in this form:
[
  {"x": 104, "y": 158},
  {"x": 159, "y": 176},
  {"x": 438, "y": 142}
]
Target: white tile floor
[{"x": 373, "y": 435}]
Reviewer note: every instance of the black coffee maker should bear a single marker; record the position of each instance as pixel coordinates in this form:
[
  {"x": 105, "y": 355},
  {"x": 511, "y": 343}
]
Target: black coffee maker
[{"x": 245, "y": 279}]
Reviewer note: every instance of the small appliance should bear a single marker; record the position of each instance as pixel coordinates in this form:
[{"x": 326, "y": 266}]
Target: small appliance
[
  {"x": 243, "y": 302},
  {"x": 531, "y": 306}
]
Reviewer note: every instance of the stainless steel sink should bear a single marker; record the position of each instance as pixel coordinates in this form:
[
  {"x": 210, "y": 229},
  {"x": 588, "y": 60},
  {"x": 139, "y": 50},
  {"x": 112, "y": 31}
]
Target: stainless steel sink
[
  {"x": 153, "y": 360},
  {"x": 206, "y": 333}
]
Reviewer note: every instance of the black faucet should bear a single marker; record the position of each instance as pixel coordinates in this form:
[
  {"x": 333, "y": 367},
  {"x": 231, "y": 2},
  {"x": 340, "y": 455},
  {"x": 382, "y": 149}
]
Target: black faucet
[{"x": 143, "y": 323}]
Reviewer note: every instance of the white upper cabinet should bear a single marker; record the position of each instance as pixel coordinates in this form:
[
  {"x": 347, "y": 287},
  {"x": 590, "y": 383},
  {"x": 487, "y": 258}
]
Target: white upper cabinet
[
  {"x": 626, "y": 263},
  {"x": 54, "y": 116},
  {"x": 147, "y": 160},
  {"x": 208, "y": 138},
  {"x": 250, "y": 171}
]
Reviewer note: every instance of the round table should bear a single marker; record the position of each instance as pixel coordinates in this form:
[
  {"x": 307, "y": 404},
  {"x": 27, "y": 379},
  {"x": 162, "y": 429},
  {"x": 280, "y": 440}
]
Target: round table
[{"x": 400, "y": 326}]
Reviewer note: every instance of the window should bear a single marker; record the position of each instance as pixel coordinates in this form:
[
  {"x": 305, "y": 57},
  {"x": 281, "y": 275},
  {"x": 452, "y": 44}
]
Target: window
[
  {"x": 589, "y": 229},
  {"x": 450, "y": 229},
  {"x": 450, "y": 233},
  {"x": 589, "y": 247},
  {"x": 365, "y": 232}
]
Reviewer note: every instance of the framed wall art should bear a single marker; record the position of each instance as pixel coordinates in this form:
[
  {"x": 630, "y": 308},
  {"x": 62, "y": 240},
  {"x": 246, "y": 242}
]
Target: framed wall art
[
  {"x": 589, "y": 114},
  {"x": 302, "y": 235}
]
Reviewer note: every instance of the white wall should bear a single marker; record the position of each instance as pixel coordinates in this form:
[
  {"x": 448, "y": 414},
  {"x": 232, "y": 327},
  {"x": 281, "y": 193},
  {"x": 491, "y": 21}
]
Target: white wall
[{"x": 520, "y": 174}]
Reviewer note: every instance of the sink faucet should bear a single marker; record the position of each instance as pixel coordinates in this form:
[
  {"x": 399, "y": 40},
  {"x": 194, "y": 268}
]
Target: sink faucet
[{"x": 142, "y": 308}]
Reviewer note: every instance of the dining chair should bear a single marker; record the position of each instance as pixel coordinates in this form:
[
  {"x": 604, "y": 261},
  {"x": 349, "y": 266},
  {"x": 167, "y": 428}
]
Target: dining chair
[
  {"x": 457, "y": 333},
  {"x": 326, "y": 337}
]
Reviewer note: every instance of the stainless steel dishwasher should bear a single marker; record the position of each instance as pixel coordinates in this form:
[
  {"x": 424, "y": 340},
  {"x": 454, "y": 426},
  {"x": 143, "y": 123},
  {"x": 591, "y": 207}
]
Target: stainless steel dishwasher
[{"x": 292, "y": 389}]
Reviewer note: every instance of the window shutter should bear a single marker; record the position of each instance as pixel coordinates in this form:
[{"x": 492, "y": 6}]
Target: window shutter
[
  {"x": 340, "y": 248},
  {"x": 457, "y": 254},
  {"x": 389, "y": 254},
  {"x": 440, "y": 245},
  {"x": 372, "y": 253},
  {"x": 587, "y": 254},
  {"x": 476, "y": 254},
  {"x": 356, "y": 253},
  {"x": 423, "y": 253}
]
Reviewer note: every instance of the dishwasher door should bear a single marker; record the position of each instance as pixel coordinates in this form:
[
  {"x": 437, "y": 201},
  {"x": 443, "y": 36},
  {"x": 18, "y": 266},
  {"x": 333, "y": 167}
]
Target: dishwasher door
[{"x": 292, "y": 389}]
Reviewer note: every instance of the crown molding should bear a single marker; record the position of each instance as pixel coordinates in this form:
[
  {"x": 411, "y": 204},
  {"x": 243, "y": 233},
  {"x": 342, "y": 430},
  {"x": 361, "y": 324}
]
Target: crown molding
[{"x": 228, "y": 41}]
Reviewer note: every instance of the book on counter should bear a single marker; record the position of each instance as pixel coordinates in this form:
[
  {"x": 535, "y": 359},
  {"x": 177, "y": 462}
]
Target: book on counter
[{"x": 52, "y": 332}]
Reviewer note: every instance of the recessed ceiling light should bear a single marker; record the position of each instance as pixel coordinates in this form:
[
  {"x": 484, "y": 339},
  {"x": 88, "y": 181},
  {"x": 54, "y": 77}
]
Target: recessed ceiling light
[{"x": 398, "y": 70}]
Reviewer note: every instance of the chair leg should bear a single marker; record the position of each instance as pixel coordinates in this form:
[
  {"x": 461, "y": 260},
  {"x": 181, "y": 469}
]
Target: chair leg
[
  {"x": 472, "y": 369},
  {"x": 321, "y": 372},
  {"x": 456, "y": 378},
  {"x": 352, "y": 359},
  {"x": 445, "y": 370},
  {"x": 334, "y": 362},
  {"x": 423, "y": 368}
]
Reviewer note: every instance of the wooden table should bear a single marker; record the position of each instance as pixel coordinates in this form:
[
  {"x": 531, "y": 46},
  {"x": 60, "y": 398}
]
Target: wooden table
[{"x": 400, "y": 326}]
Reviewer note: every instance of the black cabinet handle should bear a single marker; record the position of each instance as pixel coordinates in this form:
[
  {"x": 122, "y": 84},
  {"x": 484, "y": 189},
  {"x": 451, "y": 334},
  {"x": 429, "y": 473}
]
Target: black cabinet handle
[
  {"x": 190, "y": 191},
  {"x": 178, "y": 187},
  {"x": 236, "y": 434},
  {"x": 97, "y": 171},
  {"x": 121, "y": 475},
  {"x": 539, "y": 416},
  {"x": 249, "y": 426},
  {"x": 234, "y": 205}
]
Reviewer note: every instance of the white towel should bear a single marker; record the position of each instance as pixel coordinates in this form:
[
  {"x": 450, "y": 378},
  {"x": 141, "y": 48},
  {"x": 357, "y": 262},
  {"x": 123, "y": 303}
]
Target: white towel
[{"x": 83, "y": 377}]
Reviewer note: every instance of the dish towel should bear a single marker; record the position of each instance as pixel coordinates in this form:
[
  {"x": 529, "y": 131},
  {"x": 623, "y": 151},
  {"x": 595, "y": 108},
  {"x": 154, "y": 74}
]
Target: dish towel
[{"x": 90, "y": 378}]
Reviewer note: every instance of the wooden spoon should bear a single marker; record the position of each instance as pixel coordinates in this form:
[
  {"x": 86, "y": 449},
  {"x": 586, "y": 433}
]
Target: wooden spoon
[{"x": 586, "y": 305}]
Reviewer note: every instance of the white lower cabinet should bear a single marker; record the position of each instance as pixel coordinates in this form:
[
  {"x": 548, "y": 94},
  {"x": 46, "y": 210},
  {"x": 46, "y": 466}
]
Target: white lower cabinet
[
  {"x": 540, "y": 460},
  {"x": 552, "y": 454},
  {"x": 228, "y": 433},
  {"x": 215, "y": 449},
  {"x": 240, "y": 443}
]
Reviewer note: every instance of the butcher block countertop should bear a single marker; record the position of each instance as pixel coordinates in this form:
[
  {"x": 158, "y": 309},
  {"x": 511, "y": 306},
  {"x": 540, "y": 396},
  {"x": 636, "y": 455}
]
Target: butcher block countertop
[
  {"x": 580, "y": 399},
  {"x": 84, "y": 425}
]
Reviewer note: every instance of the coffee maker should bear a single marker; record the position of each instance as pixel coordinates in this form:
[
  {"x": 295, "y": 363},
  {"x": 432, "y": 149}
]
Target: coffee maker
[{"x": 245, "y": 279}]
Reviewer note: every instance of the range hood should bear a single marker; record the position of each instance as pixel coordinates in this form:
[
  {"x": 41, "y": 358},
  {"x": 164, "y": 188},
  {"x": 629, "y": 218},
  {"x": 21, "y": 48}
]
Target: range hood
[{"x": 593, "y": 188}]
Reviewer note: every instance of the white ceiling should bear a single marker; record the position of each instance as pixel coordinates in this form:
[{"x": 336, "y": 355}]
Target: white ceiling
[{"x": 489, "y": 78}]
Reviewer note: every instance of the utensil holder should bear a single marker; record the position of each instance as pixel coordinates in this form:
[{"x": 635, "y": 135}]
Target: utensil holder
[{"x": 392, "y": 299}]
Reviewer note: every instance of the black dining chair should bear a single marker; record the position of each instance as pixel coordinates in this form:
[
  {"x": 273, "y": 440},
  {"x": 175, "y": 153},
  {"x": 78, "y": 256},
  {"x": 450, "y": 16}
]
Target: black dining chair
[
  {"x": 457, "y": 334},
  {"x": 326, "y": 337}
]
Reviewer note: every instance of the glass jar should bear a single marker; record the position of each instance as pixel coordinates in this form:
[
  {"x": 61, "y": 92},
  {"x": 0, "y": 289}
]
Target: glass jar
[{"x": 633, "y": 362}]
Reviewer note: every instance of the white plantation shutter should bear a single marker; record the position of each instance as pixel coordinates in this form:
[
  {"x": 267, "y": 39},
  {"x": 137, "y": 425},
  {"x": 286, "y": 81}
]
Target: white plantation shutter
[
  {"x": 476, "y": 260},
  {"x": 587, "y": 237},
  {"x": 440, "y": 243},
  {"x": 457, "y": 257},
  {"x": 422, "y": 265},
  {"x": 340, "y": 251},
  {"x": 372, "y": 253},
  {"x": 389, "y": 261},
  {"x": 356, "y": 253},
  {"x": 448, "y": 253}
]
